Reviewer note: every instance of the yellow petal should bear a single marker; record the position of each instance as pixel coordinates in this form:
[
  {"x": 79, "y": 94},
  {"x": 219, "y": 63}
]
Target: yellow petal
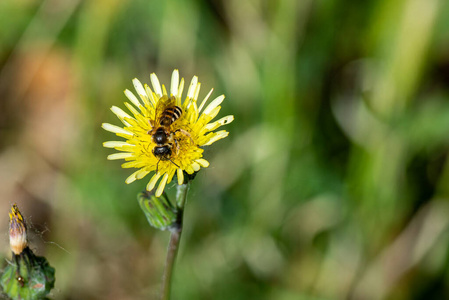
[
  {"x": 180, "y": 175},
  {"x": 156, "y": 85},
  {"x": 132, "y": 98},
  {"x": 197, "y": 92},
  {"x": 170, "y": 175},
  {"x": 153, "y": 181},
  {"x": 221, "y": 122},
  {"x": 131, "y": 178},
  {"x": 115, "y": 129},
  {"x": 205, "y": 100},
  {"x": 133, "y": 164},
  {"x": 180, "y": 89},
  {"x": 217, "y": 136},
  {"x": 189, "y": 170},
  {"x": 202, "y": 162},
  {"x": 174, "y": 83},
  {"x": 141, "y": 91},
  {"x": 115, "y": 144},
  {"x": 192, "y": 88},
  {"x": 150, "y": 95},
  {"x": 161, "y": 186},
  {"x": 121, "y": 155},
  {"x": 120, "y": 113},
  {"x": 142, "y": 173},
  {"x": 132, "y": 110},
  {"x": 214, "y": 104},
  {"x": 196, "y": 166}
]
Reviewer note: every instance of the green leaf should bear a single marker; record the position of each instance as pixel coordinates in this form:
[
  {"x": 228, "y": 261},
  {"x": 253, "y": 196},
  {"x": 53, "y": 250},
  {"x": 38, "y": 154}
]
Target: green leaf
[{"x": 28, "y": 277}]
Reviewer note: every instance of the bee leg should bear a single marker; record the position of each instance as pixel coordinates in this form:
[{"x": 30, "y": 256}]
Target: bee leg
[
  {"x": 152, "y": 126},
  {"x": 177, "y": 151},
  {"x": 157, "y": 165},
  {"x": 186, "y": 133},
  {"x": 174, "y": 163},
  {"x": 177, "y": 146}
]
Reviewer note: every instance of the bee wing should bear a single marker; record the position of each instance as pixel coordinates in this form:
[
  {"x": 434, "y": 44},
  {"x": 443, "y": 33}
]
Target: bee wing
[{"x": 163, "y": 103}]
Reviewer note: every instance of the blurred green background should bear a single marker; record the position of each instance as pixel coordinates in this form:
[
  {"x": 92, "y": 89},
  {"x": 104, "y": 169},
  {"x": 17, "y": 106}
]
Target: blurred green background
[{"x": 333, "y": 183}]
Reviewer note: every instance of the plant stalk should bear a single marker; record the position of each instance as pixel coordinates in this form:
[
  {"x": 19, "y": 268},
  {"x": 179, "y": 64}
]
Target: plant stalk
[{"x": 175, "y": 237}]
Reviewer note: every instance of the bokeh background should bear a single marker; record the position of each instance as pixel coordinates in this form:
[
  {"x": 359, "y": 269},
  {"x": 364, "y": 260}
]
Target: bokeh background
[{"x": 333, "y": 183}]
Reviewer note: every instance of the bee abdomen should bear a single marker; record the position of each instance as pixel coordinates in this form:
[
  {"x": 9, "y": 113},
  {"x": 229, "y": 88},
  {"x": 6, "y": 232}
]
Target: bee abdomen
[{"x": 170, "y": 115}]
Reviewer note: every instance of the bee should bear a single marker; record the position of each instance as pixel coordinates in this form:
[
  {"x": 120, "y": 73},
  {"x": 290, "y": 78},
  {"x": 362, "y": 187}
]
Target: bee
[{"x": 167, "y": 113}]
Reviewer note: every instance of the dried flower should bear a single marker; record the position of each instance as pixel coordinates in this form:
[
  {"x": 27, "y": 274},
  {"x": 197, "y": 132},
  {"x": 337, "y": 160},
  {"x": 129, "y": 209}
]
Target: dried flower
[{"x": 17, "y": 231}]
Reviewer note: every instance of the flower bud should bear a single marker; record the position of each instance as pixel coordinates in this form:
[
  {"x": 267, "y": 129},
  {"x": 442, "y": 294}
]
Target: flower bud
[
  {"x": 159, "y": 211},
  {"x": 29, "y": 277},
  {"x": 17, "y": 231}
]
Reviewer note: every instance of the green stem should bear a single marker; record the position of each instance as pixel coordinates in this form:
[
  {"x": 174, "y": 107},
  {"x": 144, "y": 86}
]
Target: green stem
[{"x": 175, "y": 237}]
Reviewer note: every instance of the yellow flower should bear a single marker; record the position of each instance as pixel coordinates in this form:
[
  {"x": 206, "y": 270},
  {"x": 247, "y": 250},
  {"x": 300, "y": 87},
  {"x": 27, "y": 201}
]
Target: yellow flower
[{"x": 185, "y": 133}]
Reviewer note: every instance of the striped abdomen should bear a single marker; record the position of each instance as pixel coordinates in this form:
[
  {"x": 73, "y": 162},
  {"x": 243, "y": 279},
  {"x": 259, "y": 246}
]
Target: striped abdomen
[{"x": 170, "y": 115}]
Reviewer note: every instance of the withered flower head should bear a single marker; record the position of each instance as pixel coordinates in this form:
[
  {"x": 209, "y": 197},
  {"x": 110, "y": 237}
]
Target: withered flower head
[{"x": 17, "y": 231}]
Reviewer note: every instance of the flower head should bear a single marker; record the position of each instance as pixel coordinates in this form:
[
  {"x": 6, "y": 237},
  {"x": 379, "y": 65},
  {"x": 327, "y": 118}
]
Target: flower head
[
  {"x": 30, "y": 276},
  {"x": 17, "y": 231},
  {"x": 165, "y": 134}
]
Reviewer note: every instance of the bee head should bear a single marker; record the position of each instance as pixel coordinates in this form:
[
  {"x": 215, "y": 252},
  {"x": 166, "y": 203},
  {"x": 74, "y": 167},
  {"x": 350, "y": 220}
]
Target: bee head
[{"x": 162, "y": 152}]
